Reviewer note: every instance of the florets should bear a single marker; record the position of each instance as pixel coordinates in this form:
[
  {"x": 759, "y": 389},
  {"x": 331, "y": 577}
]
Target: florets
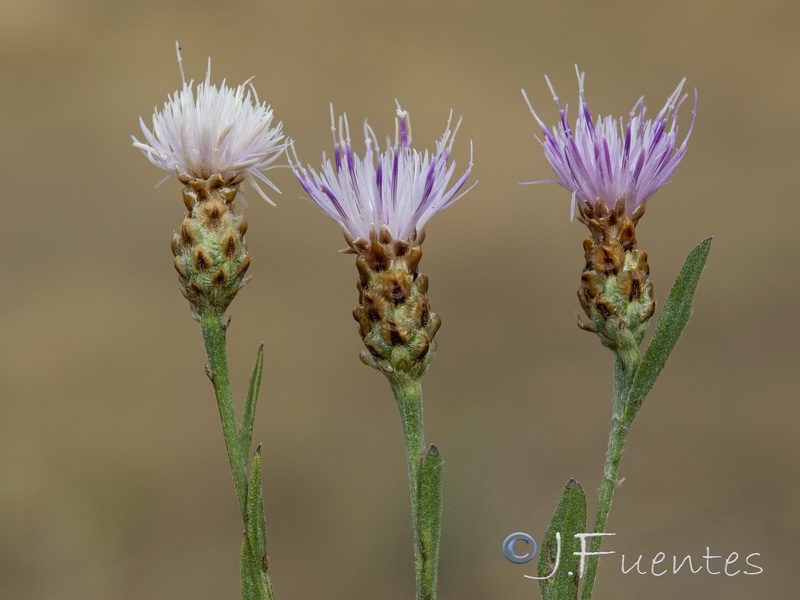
[
  {"x": 398, "y": 189},
  {"x": 211, "y": 131},
  {"x": 604, "y": 160}
]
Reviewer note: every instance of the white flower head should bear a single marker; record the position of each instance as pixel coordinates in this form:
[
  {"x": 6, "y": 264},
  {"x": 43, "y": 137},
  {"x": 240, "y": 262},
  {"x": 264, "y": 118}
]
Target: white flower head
[
  {"x": 214, "y": 131},
  {"x": 400, "y": 188}
]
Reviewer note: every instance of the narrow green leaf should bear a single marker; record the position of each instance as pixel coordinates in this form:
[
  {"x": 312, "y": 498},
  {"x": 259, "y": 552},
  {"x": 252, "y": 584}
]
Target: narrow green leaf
[
  {"x": 430, "y": 516},
  {"x": 249, "y": 414},
  {"x": 557, "y": 561},
  {"x": 255, "y": 579},
  {"x": 674, "y": 316},
  {"x": 252, "y": 587},
  {"x": 256, "y": 527}
]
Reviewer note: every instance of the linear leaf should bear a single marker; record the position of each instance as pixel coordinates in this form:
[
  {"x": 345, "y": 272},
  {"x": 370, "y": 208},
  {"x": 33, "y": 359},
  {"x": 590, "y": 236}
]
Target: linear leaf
[
  {"x": 430, "y": 515},
  {"x": 674, "y": 316},
  {"x": 249, "y": 414},
  {"x": 256, "y": 527},
  {"x": 254, "y": 550},
  {"x": 253, "y": 586},
  {"x": 557, "y": 559}
]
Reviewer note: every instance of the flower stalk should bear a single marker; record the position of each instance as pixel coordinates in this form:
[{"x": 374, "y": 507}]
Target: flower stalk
[
  {"x": 621, "y": 422},
  {"x": 612, "y": 170},
  {"x": 217, "y": 371},
  {"x": 398, "y": 330},
  {"x": 214, "y": 139},
  {"x": 424, "y": 476},
  {"x": 256, "y": 584},
  {"x": 382, "y": 202}
]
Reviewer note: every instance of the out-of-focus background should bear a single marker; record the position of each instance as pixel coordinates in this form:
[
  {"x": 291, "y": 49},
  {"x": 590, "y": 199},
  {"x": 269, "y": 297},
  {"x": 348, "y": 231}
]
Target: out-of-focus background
[{"x": 113, "y": 476}]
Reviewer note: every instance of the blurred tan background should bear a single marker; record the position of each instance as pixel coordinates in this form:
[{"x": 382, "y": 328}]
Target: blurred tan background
[{"x": 113, "y": 476}]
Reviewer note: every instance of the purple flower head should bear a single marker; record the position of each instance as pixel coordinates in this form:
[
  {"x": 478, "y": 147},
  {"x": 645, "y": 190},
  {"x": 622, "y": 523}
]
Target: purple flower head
[
  {"x": 602, "y": 159},
  {"x": 399, "y": 188}
]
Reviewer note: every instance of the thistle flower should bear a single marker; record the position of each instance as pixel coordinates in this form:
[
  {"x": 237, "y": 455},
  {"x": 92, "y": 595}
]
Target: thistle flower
[
  {"x": 621, "y": 166},
  {"x": 399, "y": 189},
  {"x": 612, "y": 171},
  {"x": 382, "y": 202},
  {"x": 213, "y": 140},
  {"x": 218, "y": 131}
]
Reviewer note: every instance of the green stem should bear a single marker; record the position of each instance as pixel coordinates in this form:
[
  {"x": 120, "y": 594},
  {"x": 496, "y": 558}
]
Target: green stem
[
  {"x": 214, "y": 337},
  {"x": 408, "y": 394},
  {"x": 625, "y": 365},
  {"x": 256, "y": 584}
]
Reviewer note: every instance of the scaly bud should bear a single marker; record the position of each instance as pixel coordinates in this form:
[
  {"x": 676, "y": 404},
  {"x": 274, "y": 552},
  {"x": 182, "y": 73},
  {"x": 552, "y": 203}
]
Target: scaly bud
[
  {"x": 210, "y": 251},
  {"x": 615, "y": 293},
  {"x": 393, "y": 313}
]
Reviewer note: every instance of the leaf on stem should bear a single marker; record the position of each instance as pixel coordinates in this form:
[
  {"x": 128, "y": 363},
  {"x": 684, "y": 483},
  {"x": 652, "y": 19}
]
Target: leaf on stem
[
  {"x": 557, "y": 563},
  {"x": 249, "y": 414},
  {"x": 256, "y": 527},
  {"x": 253, "y": 585},
  {"x": 674, "y": 316},
  {"x": 430, "y": 514},
  {"x": 255, "y": 579}
]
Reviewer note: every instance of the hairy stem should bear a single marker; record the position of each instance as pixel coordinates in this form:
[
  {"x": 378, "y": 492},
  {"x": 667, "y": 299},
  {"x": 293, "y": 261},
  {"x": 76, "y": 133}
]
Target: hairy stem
[
  {"x": 256, "y": 583},
  {"x": 408, "y": 394},
  {"x": 214, "y": 337},
  {"x": 625, "y": 365}
]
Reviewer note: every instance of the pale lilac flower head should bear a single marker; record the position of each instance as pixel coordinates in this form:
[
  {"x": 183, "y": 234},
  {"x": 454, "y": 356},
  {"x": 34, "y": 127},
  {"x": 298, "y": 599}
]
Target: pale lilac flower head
[
  {"x": 221, "y": 131},
  {"x": 604, "y": 159},
  {"x": 399, "y": 189}
]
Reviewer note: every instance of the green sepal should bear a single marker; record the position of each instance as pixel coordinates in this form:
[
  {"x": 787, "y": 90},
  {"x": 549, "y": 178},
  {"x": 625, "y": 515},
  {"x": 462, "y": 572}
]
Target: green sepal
[
  {"x": 674, "y": 316},
  {"x": 249, "y": 414},
  {"x": 430, "y": 515},
  {"x": 568, "y": 519}
]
